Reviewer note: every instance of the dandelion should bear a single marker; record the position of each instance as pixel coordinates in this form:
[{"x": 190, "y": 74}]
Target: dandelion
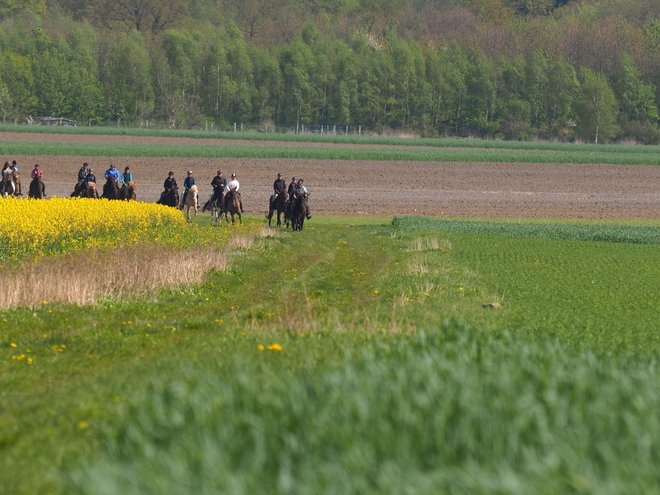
[
  {"x": 83, "y": 425},
  {"x": 275, "y": 347},
  {"x": 260, "y": 347},
  {"x": 13, "y": 344}
]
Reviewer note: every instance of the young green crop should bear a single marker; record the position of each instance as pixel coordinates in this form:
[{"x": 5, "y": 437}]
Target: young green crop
[
  {"x": 328, "y": 153},
  {"x": 338, "y": 139}
]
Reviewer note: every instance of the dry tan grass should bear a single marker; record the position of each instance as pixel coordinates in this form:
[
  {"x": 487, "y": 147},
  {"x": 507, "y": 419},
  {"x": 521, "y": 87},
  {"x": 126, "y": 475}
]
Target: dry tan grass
[
  {"x": 85, "y": 278},
  {"x": 443, "y": 245}
]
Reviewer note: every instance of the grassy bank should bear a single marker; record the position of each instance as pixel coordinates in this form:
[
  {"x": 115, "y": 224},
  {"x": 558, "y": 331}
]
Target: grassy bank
[{"x": 351, "y": 357}]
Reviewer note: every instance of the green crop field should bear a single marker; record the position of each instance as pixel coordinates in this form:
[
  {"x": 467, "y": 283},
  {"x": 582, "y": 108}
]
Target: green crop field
[
  {"x": 354, "y": 357},
  {"x": 445, "y": 150},
  {"x": 338, "y": 153}
]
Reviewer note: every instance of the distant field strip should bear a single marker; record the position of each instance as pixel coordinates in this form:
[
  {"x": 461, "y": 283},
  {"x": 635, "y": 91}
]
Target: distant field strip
[
  {"x": 311, "y": 153},
  {"x": 325, "y": 138},
  {"x": 618, "y": 233}
]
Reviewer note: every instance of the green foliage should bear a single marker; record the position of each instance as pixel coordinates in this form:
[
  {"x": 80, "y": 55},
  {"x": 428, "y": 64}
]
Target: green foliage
[
  {"x": 596, "y": 109},
  {"x": 448, "y": 409},
  {"x": 259, "y": 69}
]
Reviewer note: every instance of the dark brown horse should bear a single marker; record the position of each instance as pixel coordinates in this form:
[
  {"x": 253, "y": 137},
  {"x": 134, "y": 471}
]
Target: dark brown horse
[
  {"x": 214, "y": 204},
  {"x": 299, "y": 211},
  {"x": 37, "y": 189},
  {"x": 111, "y": 189},
  {"x": 128, "y": 191},
  {"x": 170, "y": 197},
  {"x": 278, "y": 205},
  {"x": 233, "y": 207}
]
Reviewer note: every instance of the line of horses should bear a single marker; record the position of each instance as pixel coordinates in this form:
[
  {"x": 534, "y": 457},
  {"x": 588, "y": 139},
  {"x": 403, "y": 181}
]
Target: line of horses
[
  {"x": 9, "y": 186},
  {"x": 295, "y": 211},
  {"x": 111, "y": 190}
]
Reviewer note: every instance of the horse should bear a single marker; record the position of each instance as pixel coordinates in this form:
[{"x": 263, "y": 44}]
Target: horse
[
  {"x": 8, "y": 186},
  {"x": 111, "y": 189},
  {"x": 36, "y": 188},
  {"x": 214, "y": 204},
  {"x": 299, "y": 211},
  {"x": 16, "y": 177},
  {"x": 233, "y": 207},
  {"x": 90, "y": 191},
  {"x": 191, "y": 201},
  {"x": 278, "y": 205},
  {"x": 169, "y": 197},
  {"x": 127, "y": 192}
]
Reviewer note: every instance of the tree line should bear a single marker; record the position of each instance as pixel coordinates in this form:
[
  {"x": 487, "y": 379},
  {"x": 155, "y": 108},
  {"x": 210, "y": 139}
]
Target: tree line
[{"x": 500, "y": 69}]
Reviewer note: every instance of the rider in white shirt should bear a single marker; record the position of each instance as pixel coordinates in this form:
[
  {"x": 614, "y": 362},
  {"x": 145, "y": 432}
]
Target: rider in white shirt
[{"x": 233, "y": 185}]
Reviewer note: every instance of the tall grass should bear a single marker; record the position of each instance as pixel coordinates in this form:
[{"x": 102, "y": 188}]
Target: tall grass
[{"x": 448, "y": 410}]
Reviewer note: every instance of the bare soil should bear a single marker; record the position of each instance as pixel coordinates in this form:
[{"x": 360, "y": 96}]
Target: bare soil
[{"x": 378, "y": 188}]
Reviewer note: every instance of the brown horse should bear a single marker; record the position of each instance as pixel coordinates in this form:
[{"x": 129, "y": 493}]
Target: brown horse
[
  {"x": 111, "y": 189},
  {"x": 128, "y": 191},
  {"x": 90, "y": 191},
  {"x": 278, "y": 205},
  {"x": 16, "y": 177},
  {"x": 233, "y": 207},
  {"x": 37, "y": 189}
]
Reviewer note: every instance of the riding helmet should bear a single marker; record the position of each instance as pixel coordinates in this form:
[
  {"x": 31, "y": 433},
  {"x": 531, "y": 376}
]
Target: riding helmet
[
  {"x": 300, "y": 181},
  {"x": 233, "y": 175}
]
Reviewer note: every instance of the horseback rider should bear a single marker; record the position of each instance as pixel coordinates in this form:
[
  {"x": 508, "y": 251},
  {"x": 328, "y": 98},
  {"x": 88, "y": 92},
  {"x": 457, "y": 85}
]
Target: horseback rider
[
  {"x": 170, "y": 183},
  {"x": 188, "y": 182},
  {"x": 279, "y": 187},
  {"x": 14, "y": 167},
  {"x": 90, "y": 177},
  {"x": 82, "y": 180},
  {"x": 218, "y": 183},
  {"x": 112, "y": 172},
  {"x": 298, "y": 190},
  {"x": 126, "y": 177},
  {"x": 292, "y": 186},
  {"x": 233, "y": 185},
  {"x": 38, "y": 174}
]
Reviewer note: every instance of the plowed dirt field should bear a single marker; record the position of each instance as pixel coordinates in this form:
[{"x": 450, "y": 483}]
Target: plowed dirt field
[{"x": 380, "y": 188}]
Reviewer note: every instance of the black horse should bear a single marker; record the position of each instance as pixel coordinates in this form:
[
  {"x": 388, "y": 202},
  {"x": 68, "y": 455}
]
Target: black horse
[
  {"x": 170, "y": 197},
  {"x": 299, "y": 211},
  {"x": 37, "y": 188},
  {"x": 111, "y": 189},
  {"x": 278, "y": 205}
]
